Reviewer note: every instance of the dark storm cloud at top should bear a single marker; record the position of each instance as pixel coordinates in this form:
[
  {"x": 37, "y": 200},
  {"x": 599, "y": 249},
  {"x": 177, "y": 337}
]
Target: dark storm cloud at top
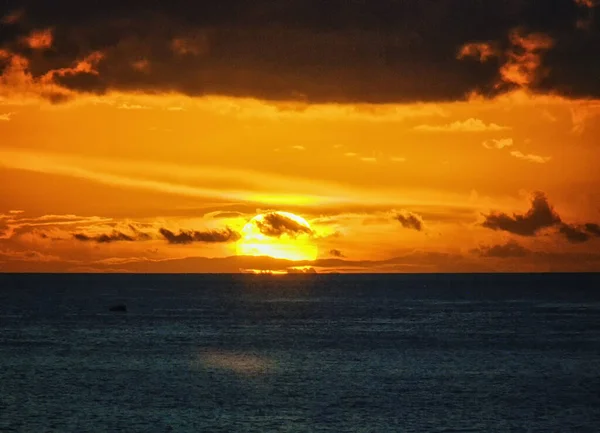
[{"x": 338, "y": 50}]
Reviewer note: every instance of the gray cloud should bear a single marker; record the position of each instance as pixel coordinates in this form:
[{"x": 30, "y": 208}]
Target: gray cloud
[
  {"x": 105, "y": 238},
  {"x": 593, "y": 228},
  {"x": 336, "y": 253},
  {"x": 189, "y": 236},
  {"x": 410, "y": 220},
  {"x": 574, "y": 234},
  {"x": 507, "y": 250},
  {"x": 540, "y": 216},
  {"x": 275, "y": 225},
  {"x": 579, "y": 233}
]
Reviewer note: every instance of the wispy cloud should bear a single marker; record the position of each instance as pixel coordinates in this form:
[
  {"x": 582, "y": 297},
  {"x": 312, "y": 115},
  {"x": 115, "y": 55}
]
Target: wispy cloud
[
  {"x": 368, "y": 159},
  {"x": 498, "y": 143},
  {"x": 504, "y": 251},
  {"x": 469, "y": 125},
  {"x": 31, "y": 256},
  {"x": 6, "y": 116},
  {"x": 133, "y": 107},
  {"x": 530, "y": 157}
]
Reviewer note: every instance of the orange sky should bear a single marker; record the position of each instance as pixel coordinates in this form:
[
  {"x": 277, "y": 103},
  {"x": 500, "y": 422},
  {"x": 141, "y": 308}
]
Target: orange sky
[{"x": 93, "y": 183}]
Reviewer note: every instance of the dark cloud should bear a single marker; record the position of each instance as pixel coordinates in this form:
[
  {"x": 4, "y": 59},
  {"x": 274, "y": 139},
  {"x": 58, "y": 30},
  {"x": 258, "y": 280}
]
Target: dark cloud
[
  {"x": 105, "y": 238},
  {"x": 410, "y": 220},
  {"x": 275, "y": 225},
  {"x": 579, "y": 234},
  {"x": 189, "y": 236},
  {"x": 338, "y": 50},
  {"x": 140, "y": 235},
  {"x": 507, "y": 250},
  {"x": 593, "y": 228},
  {"x": 540, "y": 216},
  {"x": 573, "y": 233},
  {"x": 336, "y": 253},
  {"x": 227, "y": 214}
]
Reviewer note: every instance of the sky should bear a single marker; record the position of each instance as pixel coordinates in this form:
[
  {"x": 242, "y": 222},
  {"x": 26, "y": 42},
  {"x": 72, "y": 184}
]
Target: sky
[{"x": 300, "y": 135}]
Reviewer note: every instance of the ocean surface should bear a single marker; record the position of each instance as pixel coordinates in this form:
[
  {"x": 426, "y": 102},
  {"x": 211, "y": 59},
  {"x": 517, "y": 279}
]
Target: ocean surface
[{"x": 300, "y": 353}]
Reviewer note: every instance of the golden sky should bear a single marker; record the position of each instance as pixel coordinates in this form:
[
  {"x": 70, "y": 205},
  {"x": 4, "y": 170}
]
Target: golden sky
[{"x": 115, "y": 158}]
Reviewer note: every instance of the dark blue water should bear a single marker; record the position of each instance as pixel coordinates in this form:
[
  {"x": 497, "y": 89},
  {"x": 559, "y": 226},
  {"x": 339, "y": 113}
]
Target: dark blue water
[{"x": 407, "y": 353}]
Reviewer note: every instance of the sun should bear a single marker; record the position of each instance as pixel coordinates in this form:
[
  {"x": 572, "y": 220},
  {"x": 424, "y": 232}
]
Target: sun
[{"x": 281, "y": 235}]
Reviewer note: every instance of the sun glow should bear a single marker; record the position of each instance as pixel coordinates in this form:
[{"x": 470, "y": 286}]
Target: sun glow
[{"x": 281, "y": 235}]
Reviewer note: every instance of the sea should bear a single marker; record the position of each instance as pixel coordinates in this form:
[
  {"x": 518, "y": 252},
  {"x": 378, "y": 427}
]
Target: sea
[{"x": 300, "y": 353}]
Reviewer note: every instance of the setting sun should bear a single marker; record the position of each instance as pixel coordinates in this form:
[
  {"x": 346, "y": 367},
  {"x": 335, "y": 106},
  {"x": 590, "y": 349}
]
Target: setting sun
[{"x": 281, "y": 235}]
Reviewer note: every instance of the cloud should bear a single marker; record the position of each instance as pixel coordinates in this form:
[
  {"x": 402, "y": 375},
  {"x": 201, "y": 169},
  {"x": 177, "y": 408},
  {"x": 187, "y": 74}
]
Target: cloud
[
  {"x": 336, "y": 253},
  {"x": 244, "y": 185},
  {"x": 185, "y": 237},
  {"x": 523, "y": 65},
  {"x": 139, "y": 235},
  {"x": 482, "y": 51},
  {"x": 39, "y": 39},
  {"x": 275, "y": 224},
  {"x": 587, "y": 3},
  {"x": 522, "y": 61},
  {"x": 581, "y": 113},
  {"x": 593, "y": 229},
  {"x": 226, "y": 214},
  {"x": 574, "y": 234},
  {"x": 498, "y": 143},
  {"x": 31, "y": 256},
  {"x": 15, "y": 223},
  {"x": 541, "y": 215},
  {"x": 579, "y": 233},
  {"x": 410, "y": 220},
  {"x": 469, "y": 125},
  {"x": 105, "y": 238},
  {"x": 530, "y": 157},
  {"x": 6, "y": 117},
  {"x": 133, "y": 107},
  {"x": 507, "y": 250},
  {"x": 399, "y": 51}
]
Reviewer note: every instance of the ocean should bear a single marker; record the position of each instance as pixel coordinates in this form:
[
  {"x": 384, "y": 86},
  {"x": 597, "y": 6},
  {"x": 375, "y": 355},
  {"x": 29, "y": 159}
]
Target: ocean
[{"x": 300, "y": 353}]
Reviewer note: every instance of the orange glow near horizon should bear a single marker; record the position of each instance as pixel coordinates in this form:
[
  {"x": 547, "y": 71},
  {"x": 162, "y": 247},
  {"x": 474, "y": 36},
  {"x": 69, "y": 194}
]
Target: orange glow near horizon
[{"x": 382, "y": 188}]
